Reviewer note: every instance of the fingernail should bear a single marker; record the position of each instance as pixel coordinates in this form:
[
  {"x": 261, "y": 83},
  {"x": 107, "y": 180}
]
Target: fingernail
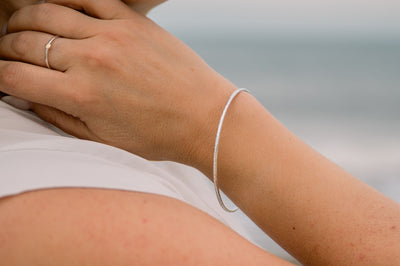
[{"x": 17, "y": 102}]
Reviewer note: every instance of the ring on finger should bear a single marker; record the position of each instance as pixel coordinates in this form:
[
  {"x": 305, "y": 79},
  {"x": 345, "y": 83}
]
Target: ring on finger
[{"x": 48, "y": 47}]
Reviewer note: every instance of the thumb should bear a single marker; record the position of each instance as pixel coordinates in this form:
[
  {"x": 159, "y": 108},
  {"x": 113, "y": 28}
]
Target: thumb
[{"x": 67, "y": 123}]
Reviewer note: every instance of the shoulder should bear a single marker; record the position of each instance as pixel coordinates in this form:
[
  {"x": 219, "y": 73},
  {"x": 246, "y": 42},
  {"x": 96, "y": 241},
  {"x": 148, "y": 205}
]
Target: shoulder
[{"x": 94, "y": 225}]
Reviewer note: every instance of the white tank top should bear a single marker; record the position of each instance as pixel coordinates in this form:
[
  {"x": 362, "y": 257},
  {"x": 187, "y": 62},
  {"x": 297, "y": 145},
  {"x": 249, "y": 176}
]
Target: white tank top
[{"x": 35, "y": 155}]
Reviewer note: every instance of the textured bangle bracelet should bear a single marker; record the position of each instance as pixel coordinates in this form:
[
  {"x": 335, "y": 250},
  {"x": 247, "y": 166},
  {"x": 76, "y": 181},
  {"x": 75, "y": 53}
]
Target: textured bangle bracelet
[{"x": 215, "y": 159}]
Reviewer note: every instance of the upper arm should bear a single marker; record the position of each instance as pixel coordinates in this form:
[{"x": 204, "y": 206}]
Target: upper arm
[{"x": 106, "y": 227}]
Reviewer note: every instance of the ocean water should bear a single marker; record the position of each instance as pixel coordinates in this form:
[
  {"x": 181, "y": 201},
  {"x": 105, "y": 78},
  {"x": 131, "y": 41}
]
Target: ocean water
[{"x": 340, "y": 95}]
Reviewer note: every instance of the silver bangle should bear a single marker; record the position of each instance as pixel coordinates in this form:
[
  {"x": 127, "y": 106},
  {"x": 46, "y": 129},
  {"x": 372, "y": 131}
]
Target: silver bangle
[{"x": 215, "y": 159}]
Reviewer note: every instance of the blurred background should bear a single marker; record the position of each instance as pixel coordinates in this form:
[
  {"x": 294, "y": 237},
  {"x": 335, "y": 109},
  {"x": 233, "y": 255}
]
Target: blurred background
[{"x": 329, "y": 70}]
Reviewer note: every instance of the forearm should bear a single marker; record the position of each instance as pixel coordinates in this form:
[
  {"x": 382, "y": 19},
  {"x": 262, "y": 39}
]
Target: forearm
[
  {"x": 310, "y": 206},
  {"x": 161, "y": 101}
]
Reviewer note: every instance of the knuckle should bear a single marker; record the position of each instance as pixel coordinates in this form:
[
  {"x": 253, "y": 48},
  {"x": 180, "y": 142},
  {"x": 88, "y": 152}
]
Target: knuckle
[
  {"x": 105, "y": 55},
  {"x": 41, "y": 14},
  {"x": 99, "y": 58},
  {"x": 112, "y": 35},
  {"x": 84, "y": 98},
  {"x": 20, "y": 44},
  {"x": 82, "y": 102},
  {"x": 79, "y": 99},
  {"x": 119, "y": 37}
]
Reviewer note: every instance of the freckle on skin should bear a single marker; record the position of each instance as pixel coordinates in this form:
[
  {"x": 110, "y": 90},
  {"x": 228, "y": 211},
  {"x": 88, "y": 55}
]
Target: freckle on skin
[
  {"x": 393, "y": 227},
  {"x": 294, "y": 228},
  {"x": 144, "y": 220}
]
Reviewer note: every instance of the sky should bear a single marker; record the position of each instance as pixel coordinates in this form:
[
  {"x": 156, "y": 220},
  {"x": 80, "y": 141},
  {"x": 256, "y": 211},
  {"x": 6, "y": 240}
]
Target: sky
[{"x": 359, "y": 17}]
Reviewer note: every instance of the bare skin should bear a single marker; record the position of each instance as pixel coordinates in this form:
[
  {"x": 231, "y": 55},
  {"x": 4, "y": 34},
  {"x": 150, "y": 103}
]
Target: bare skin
[
  {"x": 310, "y": 206},
  {"x": 109, "y": 227},
  {"x": 115, "y": 228},
  {"x": 313, "y": 208}
]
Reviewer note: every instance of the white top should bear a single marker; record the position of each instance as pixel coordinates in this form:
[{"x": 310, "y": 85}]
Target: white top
[{"x": 34, "y": 155}]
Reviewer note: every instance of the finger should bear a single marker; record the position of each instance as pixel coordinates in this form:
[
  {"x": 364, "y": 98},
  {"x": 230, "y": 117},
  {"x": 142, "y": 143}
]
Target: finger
[
  {"x": 143, "y": 6},
  {"x": 67, "y": 123},
  {"x": 37, "y": 84},
  {"x": 29, "y": 47},
  {"x": 53, "y": 19},
  {"x": 104, "y": 9}
]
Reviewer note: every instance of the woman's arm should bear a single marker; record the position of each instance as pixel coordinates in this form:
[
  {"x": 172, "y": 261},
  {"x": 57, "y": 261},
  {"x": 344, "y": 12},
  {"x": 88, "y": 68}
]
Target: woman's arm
[
  {"x": 126, "y": 82},
  {"x": 108, "y": 227},
  {"x": 310, "y": 206}
]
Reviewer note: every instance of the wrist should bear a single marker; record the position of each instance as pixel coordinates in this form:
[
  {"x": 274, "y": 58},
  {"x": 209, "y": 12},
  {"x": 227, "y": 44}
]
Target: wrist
[
  {"x": 246, "y": 141},
  {"x": 205, "y": 123}
]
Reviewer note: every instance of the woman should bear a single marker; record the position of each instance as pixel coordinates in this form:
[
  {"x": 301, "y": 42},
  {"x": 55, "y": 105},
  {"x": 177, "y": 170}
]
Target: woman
[
  {"x": 119, "y": 79},
  {"x": 34, "y": 157}
]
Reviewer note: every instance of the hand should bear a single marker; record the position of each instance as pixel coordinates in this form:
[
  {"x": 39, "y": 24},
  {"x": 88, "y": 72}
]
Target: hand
[
  {"x": 118, "y": 79},
  {"x": 141, "y": 6},
  {"x": 144, "y": 6},
  {"x": 8, "y": 6}
]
